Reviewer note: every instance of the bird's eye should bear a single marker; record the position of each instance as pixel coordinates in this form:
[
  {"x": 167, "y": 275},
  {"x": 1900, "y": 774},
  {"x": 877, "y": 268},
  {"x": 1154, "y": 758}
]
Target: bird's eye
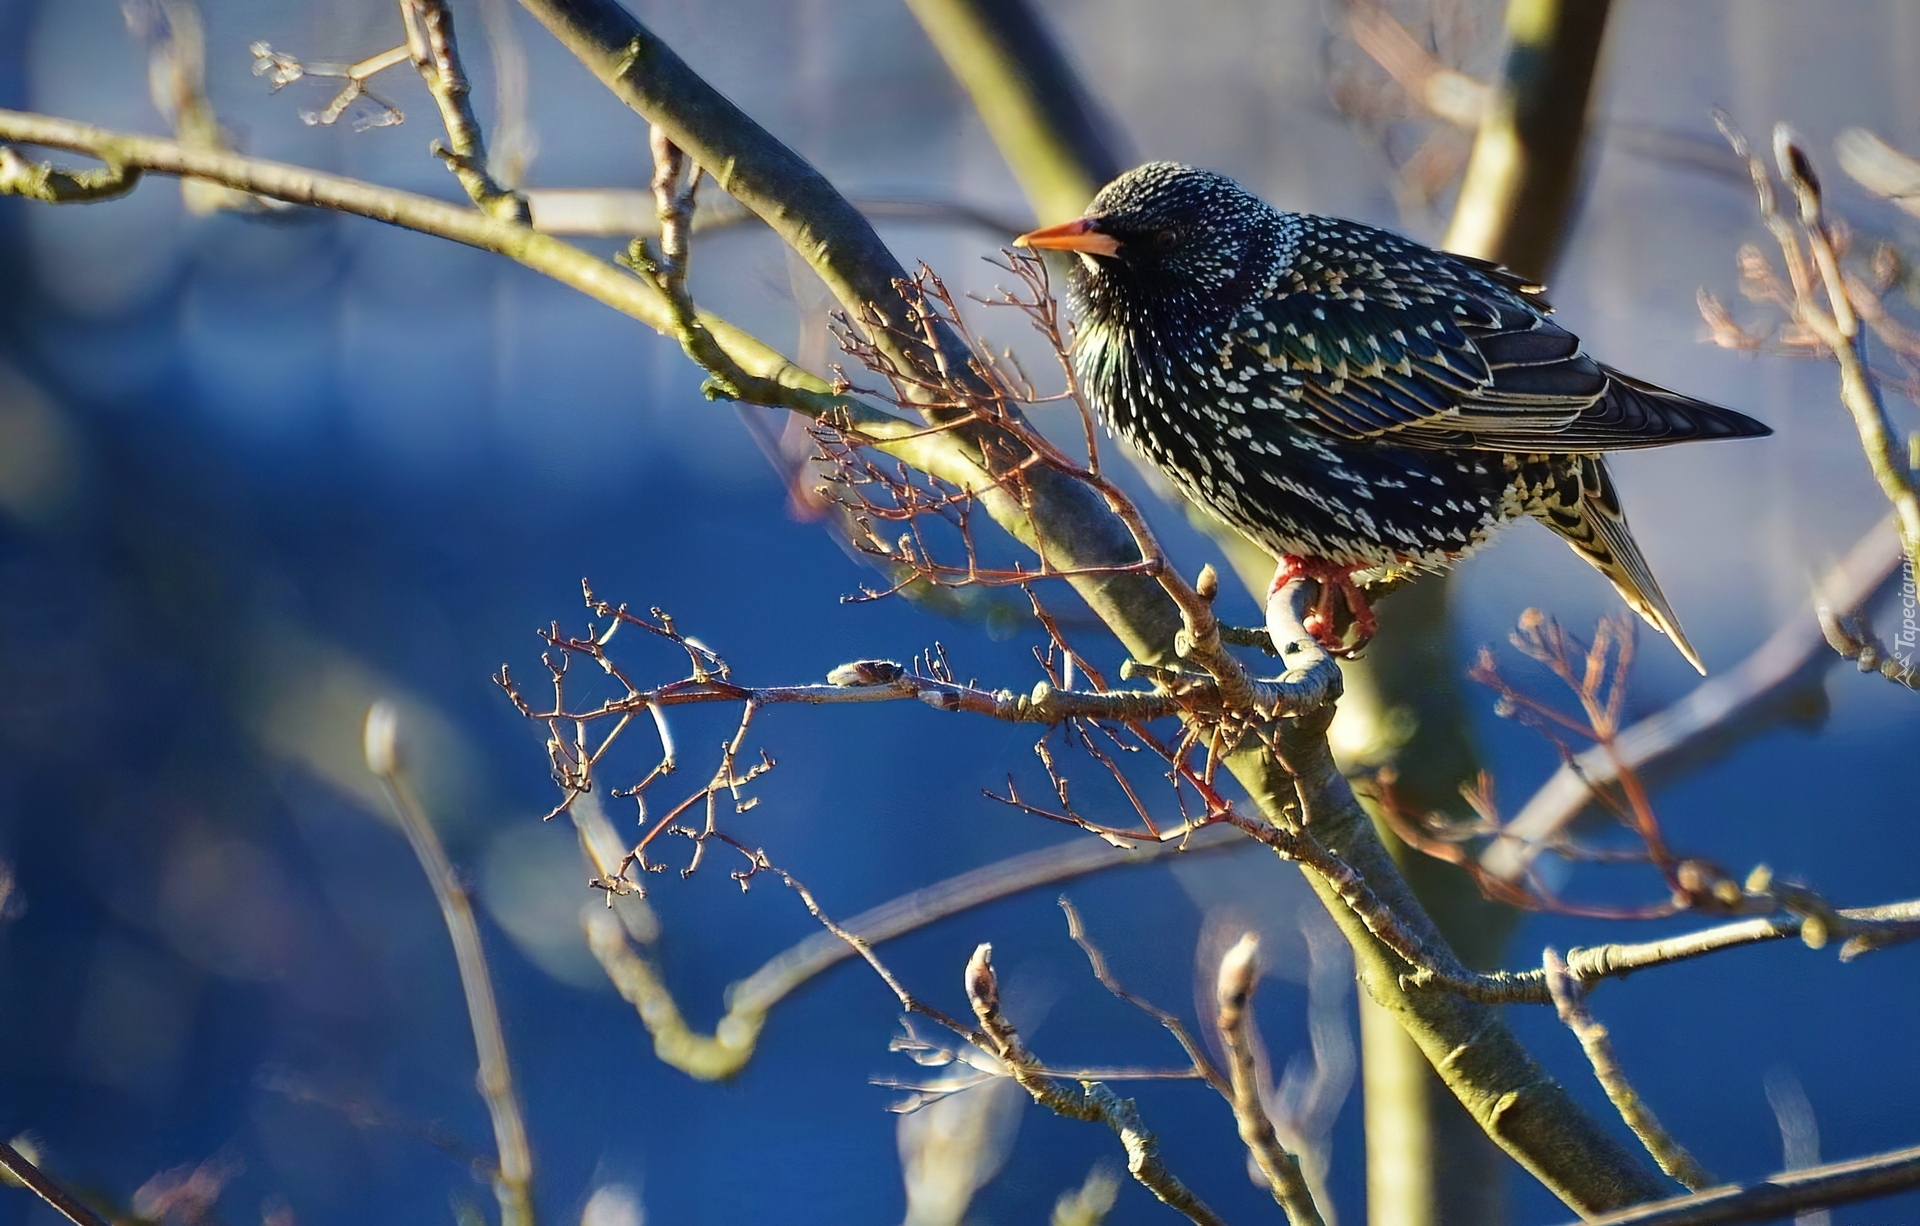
[{"x": 1165, "y": 240}]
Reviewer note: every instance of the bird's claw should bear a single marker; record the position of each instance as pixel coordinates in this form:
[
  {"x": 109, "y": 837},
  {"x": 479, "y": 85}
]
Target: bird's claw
[{"x": 1323, "y": 620}]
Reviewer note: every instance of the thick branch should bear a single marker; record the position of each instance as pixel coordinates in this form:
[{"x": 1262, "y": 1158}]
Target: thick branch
[
  {"x": 1508, "y": 1094},
  {"x": 1041, "y": 119},
  {"x": 1526, "y": 159}
]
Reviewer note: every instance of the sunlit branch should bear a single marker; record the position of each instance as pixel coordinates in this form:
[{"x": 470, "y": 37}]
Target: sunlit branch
[
  {"x": 1569, "y": 999},
  {"x": 14, "y": 1164},
  {"x": 1239, "y": 975},
  {"x": 1783, "y": 1195},
  {"x": 1093, "y": 1102},
  {"x": 513, "y": 1184},
  {"x": 436, "y": 56}
]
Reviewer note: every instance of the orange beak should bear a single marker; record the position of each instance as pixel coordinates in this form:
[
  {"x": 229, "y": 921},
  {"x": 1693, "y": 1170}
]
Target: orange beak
[{"x": 1080, "y": 234}]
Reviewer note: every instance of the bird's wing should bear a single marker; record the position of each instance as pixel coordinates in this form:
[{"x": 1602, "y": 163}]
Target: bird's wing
[{"x": 1377, "y": 339}]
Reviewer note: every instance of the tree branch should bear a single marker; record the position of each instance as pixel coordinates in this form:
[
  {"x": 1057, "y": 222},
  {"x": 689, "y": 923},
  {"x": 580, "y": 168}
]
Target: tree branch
[
  {"x": 1094, "y": 1103},
  {"x": 1506, "y": 1092},
  {"x": 50, "y": 185},
  {"x": 1718, "y": 708},
  {"x": 1570, "y": 1001},
  {"x": 1526, "y": 160},
  {"x": 435, "y": 54},
  {"x": 15, "y": 1164},
  {"x": 1861, "y": 930},
  {"x": 1814, "y": 1187},
  {"x": 1045, "y": 125},
  {"x": 1239, "y": 975},
  {"x": 513, "y": 1185}
]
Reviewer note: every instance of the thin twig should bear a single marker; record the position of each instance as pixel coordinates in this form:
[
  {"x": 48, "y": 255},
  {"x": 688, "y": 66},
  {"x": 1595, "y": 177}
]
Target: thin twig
[
  {"x": 1094, "y": 1102},
  {"x": 1078, "y": 857},
  {"x": 514, "y": 1185},
  {"x": 1862, "y": 930},
  {"x": 1722, "y": 705},
  {"x": 1077, "y": 930},
  {"x": 1570, "y": 1000},
  {"x": 1239, "y": 975},
  {"x": 1816, "y": 1187},
  {"x": 1834, "y": 323}
]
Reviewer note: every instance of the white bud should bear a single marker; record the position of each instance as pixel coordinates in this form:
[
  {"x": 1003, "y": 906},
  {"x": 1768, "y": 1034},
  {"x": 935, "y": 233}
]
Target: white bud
[{"x": 380, "y": 739}]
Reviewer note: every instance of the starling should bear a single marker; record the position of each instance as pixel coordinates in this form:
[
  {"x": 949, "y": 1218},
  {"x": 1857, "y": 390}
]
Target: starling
[{"x": 1347, "y": 399}]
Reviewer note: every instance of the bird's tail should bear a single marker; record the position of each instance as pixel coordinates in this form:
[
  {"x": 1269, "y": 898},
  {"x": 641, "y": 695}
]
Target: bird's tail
[{"x": 1600, "y": 535}]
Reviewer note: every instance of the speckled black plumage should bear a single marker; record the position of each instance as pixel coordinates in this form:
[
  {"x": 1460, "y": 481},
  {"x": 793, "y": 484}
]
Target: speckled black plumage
[{"x": 1338, "y": 393}]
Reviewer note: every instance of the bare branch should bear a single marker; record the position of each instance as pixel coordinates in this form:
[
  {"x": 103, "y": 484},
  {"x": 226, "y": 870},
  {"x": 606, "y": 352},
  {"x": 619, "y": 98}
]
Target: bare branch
[
  {"x": 1239, "y": 975},
  {"x": 436, "y": 56},
  {"x": 1569, "y": 999},
  {"x": 13, "y": 1163},
  {"x": 1862, "y": 930},
  {"x": 1093, "y": 1103},
  {"x": 513, "y": 1186},
  {"x": 282, "y": 70},
  {"x": 1821, "y": 304},
  {"x": 1816, "y": 1187},
  {"x": 1722, "y": 706},
  {"x": 787, "y": 971},
  {"x": 1077, "y": 930},
  {"x": 50, "y": 185}
]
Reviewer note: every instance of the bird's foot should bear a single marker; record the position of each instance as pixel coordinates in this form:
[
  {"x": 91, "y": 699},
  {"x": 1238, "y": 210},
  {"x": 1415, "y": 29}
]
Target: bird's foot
[{"x": 1323, "y": 622}]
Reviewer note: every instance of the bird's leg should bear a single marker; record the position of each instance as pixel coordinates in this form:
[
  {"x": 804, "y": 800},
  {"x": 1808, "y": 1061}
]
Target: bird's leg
[{"x": 1322, "y": 622}]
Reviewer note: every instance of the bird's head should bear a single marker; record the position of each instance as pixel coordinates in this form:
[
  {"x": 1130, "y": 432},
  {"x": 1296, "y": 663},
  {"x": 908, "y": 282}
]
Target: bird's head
[{"x": 1168, "y": 254}]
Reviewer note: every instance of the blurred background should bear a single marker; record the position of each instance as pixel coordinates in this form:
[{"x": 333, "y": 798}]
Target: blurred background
[{"x": 256, "y": 472}]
